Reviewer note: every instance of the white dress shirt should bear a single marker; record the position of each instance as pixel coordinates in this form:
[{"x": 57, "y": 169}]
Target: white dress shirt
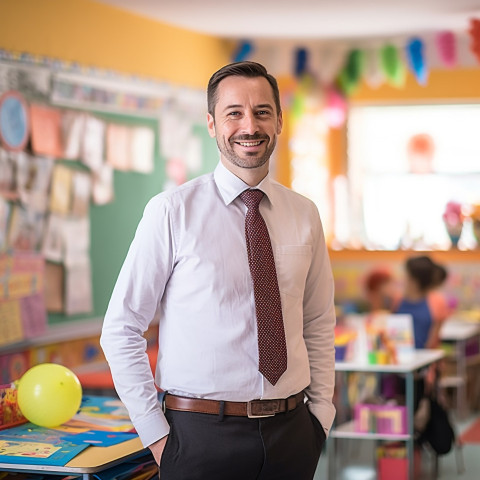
[{"x": 188, "y": 264}]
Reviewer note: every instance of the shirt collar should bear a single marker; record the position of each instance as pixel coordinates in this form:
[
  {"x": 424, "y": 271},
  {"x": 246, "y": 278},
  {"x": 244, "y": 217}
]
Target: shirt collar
[{"x": 230, "y": 186}]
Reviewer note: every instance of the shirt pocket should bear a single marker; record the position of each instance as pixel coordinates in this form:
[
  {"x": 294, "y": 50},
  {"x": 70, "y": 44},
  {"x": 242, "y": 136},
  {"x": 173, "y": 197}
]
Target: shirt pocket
[{"x": 292, "y": 263}]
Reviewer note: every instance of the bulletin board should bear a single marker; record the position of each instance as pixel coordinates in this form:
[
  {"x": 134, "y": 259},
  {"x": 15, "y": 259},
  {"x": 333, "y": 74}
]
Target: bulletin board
[
  {"x": 164, "y": 142},
  {"x": 113, "y": 225}
]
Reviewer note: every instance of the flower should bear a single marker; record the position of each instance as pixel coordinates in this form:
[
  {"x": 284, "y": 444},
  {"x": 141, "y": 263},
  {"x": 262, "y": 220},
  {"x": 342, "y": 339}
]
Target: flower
[{"x": 453, "y": 216}]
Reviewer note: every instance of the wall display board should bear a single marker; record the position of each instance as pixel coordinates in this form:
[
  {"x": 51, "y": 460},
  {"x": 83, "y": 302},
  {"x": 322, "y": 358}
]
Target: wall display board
[{"x": 87, "y": 152}]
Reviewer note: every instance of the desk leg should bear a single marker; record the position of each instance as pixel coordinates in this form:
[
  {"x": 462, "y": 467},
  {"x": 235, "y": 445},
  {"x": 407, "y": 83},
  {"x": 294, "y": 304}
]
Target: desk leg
[
  {"x": 462, "y": 373},
  {"x": 331, "y": 456},
  {"x": 409, "y": 393}
]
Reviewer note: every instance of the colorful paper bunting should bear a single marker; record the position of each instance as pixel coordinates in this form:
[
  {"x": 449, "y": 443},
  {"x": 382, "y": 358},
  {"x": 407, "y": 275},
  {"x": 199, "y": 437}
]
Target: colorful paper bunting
[
  {"x": 392, "y": 65},
  {"x": 243, "y": 51},
  {"x": 474, "y": 32},
  {"x": 301, "y": 62},
  {"x": 447, "y": 48},
  {"x": 351, "y": 73},
  {"x": 416, "y": 60}
]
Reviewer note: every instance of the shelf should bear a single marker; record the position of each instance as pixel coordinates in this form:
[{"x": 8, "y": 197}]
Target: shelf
[{"x": 347, "y": 430}]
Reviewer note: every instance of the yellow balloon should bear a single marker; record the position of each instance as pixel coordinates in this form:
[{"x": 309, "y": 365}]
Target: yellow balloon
[{"x": 49, "y": 394}]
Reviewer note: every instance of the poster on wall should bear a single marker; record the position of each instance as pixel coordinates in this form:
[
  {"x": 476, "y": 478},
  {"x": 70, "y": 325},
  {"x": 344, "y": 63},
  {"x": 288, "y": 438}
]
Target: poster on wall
[{"x": 14, "y": 121}]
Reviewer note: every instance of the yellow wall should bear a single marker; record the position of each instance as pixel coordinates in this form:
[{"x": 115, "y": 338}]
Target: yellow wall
[
  {"x": 443, "y": 85},
  {"x": 98, "y": 35}
]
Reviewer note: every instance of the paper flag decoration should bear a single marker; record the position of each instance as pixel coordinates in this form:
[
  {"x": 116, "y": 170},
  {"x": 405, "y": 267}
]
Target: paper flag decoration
[
  {"x": 242, "y": 52},
  {"x": 351, "y": 73},
  {"x": 474, "y": 32},
  {"x": 301, "y": 61},
  {"x": 392, "y": 65},
  {"x": 447, "y": 48},
  {"x": 416, "y": 60}
]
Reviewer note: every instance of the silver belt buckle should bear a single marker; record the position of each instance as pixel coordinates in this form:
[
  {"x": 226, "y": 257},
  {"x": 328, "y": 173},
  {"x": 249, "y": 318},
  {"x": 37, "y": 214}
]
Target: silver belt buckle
[{"x": 267, "y": 413}]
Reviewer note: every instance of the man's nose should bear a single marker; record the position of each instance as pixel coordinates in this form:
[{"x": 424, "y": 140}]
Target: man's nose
[{"x": 250, "y": 124}]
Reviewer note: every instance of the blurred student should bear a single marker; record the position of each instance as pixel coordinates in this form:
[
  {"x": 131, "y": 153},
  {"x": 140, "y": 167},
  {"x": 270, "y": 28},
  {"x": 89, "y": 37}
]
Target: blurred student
[
  {"x": 379, "y": 290},
  {"x": 421, "y": 299}
]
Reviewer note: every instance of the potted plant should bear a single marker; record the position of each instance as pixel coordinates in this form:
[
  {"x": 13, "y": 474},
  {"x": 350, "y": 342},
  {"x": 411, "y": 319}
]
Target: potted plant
[{"x": 453, "y": 219}]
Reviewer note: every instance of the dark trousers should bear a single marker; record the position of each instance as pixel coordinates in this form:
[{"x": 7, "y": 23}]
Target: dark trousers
[{"x": 211, "y": 447}]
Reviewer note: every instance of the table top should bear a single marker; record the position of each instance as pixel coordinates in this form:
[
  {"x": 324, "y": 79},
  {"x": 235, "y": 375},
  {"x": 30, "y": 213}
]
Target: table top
[
  {"x": 417, "y": 360},
  {"x": 456, "y": 330},
  {"x": 90, "y": 460}
]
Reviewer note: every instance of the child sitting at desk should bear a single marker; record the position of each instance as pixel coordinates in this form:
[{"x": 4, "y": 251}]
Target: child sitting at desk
[{"x": 421, "y": 300}]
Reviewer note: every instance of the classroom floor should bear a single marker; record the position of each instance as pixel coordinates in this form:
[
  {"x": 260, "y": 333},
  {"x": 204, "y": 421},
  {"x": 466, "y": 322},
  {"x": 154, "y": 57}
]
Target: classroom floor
[{"x": 359, "y": 460}]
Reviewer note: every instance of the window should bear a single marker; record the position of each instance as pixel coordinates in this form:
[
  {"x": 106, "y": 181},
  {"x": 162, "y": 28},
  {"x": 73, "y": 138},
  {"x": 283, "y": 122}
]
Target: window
[{"x": 405, "y": 164}]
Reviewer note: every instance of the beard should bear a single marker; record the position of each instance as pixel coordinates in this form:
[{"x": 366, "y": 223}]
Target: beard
[{"x": 249, "y": 159}]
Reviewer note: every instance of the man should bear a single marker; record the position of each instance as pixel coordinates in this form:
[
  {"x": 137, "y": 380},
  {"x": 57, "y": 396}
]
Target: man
[{"x": 245, "y": 335}]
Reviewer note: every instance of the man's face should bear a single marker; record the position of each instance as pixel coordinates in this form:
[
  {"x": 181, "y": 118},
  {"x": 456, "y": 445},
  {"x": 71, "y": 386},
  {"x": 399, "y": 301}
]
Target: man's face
[{"x": 246, "y": 122}]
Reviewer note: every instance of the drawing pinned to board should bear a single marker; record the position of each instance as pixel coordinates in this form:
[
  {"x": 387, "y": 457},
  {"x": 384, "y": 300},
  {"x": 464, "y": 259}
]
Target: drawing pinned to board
[
  {"x": 118, "y": 146},
  {"x": 93, "y": 143},
  {"x": 14, "y": 121},
  {"x": 26, "y": 228},
  {"x": 81, "y": 193},
  {"x": 10, "y": 322},
  {"x": 54, "y": 287},
  {"x": 7, "y": 173},
  {"x": 78, "y": 287},
  {"x": 33, "y": 181},
  {"x": 33, "y": 315},
  {"x": 102, "y": 192},
  {"x": 142, "y": 149},
  {"x": 61, "y": 191},
  {"x": 73, "y": 125},
  {"x": 46, "y": 131},
  {"x": 52, "y": 246}
]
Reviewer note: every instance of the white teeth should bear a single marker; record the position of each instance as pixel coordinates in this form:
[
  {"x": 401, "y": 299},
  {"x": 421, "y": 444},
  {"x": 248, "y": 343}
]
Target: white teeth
[{"x": 249, "y": 144}]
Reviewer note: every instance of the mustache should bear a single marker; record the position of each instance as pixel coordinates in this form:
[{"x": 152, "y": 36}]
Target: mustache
[{"x": 249, "y": 138}]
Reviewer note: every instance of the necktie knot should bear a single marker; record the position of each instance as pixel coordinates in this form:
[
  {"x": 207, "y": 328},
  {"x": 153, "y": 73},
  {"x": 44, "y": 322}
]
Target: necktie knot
[{"x": 252, "y": 198}]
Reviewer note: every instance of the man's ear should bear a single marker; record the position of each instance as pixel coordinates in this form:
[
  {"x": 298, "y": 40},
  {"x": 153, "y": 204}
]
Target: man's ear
[
  {"x": 211, "y": 125},
  {"x": 279, "y": 123}
]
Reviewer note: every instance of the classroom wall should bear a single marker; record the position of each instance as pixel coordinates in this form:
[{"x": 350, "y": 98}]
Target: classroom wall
[
  {"x": 98, "y": 35},
  {"x": 91, "y": 34}
]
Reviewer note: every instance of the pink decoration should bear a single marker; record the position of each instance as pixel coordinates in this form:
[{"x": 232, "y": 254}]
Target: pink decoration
[
  {"x": 453, "y": 214},
  {"x": 336, "y": 108},
  {"x": 447, "y": 48}
]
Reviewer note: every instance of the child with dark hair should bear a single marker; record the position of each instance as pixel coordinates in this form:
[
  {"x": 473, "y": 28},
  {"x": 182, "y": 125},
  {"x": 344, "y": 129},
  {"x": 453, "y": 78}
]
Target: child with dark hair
[{"x": 428, "y": 308}]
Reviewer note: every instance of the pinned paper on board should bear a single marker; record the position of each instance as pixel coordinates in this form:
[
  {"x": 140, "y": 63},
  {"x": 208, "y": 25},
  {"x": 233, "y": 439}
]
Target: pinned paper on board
[
  {"x": 142, "y": 149},
  {"x": 46, "y": 130},
  {"x": 118, "y": 146},
  {"x": 61, "y": 192}
]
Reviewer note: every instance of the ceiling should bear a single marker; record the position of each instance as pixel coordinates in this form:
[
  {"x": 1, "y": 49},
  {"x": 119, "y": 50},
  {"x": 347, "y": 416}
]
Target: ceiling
[{"x": 322, "y": 20}]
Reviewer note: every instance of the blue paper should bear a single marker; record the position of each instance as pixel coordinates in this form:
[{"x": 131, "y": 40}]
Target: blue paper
[{"x": 100, "y": 438}]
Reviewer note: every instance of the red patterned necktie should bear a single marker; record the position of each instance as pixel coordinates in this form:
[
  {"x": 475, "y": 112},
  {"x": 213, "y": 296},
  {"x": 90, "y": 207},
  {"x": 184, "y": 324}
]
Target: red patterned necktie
[{"x": 272, "y": 348}]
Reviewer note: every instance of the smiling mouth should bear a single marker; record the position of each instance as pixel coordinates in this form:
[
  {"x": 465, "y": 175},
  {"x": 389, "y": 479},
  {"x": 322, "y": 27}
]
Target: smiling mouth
[{"x": 250, "y": 144}]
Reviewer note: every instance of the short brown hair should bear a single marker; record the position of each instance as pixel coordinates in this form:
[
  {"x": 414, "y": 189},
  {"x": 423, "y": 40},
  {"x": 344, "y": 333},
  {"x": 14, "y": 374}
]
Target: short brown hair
[{"x": 240, "y": 69}]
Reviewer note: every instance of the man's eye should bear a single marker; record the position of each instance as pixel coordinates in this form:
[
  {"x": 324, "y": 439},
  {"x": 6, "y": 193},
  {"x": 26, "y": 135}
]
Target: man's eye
[
  {"x": 263, "y": 112},
  {"x": 234, "y": 114}
]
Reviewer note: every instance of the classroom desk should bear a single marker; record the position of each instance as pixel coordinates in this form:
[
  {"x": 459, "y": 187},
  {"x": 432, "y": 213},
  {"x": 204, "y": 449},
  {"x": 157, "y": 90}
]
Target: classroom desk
[
  {"x": 417, "y": 361},
  {"x": 459, "y": 333},
  {"x": 90, "y": 461}
]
